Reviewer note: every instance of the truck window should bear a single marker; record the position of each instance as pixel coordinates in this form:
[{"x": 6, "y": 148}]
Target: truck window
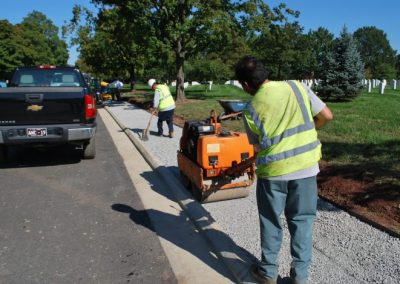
[{"x": 47, "y": 78}]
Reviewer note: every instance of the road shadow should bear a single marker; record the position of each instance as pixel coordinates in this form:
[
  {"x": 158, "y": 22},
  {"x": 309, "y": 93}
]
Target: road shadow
[
  {"x": 144, "y": 217},
  {"x": 18, "y": 157}
]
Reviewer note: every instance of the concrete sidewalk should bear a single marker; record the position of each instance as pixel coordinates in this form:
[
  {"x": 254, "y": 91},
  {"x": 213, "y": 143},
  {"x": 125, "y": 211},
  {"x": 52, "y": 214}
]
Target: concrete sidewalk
[{"x": 198, "y": 250}]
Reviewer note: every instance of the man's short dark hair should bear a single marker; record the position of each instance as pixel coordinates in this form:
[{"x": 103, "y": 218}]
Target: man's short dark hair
[{"x": 250, "y": 70}]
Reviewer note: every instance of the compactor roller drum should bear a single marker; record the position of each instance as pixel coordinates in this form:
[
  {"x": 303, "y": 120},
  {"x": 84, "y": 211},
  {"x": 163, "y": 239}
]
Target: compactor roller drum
[{"x": 215, "y": 164}]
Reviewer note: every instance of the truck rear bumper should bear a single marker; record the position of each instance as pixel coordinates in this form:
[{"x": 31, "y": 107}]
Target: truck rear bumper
[{"x": 13, "y": 135}]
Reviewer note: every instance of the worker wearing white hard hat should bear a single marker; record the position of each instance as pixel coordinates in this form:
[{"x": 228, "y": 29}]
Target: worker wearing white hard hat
[
  {"x": 151, "y": 82},
  {"x": 164, "y": 102}
]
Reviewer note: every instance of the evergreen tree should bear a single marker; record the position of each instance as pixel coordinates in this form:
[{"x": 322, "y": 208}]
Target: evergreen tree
[{"x": 343, "y": 72}]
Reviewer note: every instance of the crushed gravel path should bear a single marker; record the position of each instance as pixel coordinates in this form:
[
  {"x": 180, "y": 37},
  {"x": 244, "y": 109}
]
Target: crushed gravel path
[{"x": 346, "y": 250}]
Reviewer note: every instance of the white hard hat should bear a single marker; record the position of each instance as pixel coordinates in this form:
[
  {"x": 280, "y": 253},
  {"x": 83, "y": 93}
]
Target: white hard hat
[{"x": 151, "y": 82}]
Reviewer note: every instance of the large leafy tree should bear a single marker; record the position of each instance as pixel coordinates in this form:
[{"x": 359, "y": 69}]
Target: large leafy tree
[
  {"x": 275, "y": 38},
  {"x": 10, "y": 53},
  {"x": 398, "y": 65},
  {"x": 41, "y": 42},
  {"x": 108, "y": 43},
  {"x": 376, "y": 52},
  {"x": 184, "y": 27},
  {"x": 34, "y": 41},
  {"x": 343, "y": 72}
]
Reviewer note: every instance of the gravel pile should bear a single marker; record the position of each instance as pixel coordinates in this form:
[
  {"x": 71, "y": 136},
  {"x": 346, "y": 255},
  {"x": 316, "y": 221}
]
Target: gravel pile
[{"x": 346, "y": 250}]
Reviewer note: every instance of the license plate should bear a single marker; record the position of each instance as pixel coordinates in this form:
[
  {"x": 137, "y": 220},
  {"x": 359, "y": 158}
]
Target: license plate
[{"x": 36, "y": 132}]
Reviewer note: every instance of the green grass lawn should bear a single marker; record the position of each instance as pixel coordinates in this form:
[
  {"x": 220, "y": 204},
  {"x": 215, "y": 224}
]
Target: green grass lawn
[{"x": 364, "y": 131}]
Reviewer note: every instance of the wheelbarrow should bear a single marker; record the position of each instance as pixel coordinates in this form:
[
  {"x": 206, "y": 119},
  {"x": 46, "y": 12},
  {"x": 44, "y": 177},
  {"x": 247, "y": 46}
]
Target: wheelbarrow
[{"x": 233, "y": 109}]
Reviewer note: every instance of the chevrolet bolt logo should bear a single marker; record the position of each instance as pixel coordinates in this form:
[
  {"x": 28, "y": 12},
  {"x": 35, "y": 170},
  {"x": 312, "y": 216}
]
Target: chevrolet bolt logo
[{"x": 34, "y": 108}]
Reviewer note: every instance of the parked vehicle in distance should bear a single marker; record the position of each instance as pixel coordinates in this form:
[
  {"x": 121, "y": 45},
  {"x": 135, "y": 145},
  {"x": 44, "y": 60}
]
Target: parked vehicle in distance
[{"x": 45, "y": 106}]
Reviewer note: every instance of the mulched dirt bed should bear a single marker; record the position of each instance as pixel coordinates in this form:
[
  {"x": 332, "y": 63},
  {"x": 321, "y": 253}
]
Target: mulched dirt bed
[{"x": 361, "y": 193}]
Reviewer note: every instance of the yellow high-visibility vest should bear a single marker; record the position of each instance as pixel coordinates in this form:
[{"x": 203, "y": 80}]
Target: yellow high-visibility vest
[
  {"x": 166, "y": 99},
  {"x": 280, "y": 114}
]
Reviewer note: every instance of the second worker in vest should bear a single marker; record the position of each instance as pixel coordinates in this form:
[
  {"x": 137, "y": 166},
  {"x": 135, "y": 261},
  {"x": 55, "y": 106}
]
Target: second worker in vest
[
  {"x": 281, "y": 122},
  {"x": 164, "y": 102}
]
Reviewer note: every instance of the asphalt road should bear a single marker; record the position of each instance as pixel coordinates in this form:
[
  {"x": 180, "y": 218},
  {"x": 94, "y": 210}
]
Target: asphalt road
[{"x": 67, "y": 220}]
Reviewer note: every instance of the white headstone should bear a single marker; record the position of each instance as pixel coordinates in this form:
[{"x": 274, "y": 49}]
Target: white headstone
[
  {"x": 173, "y": 83},
  {"x": 234, "y": 83},
  {"x": 210, "y": 85},
  {"x": 185, "y": 85},
  {"x": 369, "y": 86},
  {"x": 194, "y": 83},
  {"x": 382, "y": 88},
  {"x": 394, "y": 84}
]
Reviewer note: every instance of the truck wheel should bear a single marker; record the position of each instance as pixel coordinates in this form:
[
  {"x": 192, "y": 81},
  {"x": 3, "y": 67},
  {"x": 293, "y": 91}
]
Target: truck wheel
[
  {"x": 89, "y": 149},
  {"x": 3, "y": 153}
]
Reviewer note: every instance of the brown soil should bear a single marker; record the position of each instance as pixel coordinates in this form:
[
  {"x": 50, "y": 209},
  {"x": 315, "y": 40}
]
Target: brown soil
[{"x": 360, "y": 191}]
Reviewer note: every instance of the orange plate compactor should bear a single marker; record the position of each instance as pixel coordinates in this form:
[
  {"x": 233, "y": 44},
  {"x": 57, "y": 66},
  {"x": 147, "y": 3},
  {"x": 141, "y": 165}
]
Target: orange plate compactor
[{"x": 215, "y": 164}]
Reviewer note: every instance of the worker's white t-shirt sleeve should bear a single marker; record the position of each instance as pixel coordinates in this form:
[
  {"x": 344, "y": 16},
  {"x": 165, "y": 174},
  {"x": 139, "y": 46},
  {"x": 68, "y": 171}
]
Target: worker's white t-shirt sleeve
[
  {"x": 316, "y": 103},
  {"x": 156, "y": 100}
]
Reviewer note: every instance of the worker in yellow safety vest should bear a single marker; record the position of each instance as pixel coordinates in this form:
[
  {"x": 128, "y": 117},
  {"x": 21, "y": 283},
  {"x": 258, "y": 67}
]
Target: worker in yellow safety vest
[
  {"x": 281, "y": 122},
  {"x": 165, "y": 104}
]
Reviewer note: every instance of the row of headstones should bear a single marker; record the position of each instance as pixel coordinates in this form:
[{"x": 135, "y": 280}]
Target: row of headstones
[
  {"x": 236, "y": 83},
  {"x": 375, "y": 83},
  {"x": 193, "y": 83},
  {"x": 209, "y": 83},
  {"x": 368, "y": 83}
]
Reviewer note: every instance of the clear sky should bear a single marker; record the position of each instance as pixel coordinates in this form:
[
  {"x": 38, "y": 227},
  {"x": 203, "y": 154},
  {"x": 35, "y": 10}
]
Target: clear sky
[{"x": 331, "y": 14}]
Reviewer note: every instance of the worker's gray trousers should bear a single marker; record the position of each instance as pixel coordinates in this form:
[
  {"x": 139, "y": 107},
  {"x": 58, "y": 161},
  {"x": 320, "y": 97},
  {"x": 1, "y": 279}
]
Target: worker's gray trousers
[{"x": 298, "y": 200}]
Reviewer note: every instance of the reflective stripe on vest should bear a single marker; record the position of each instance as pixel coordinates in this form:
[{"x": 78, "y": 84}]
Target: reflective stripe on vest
[
  {"x": 266, "y": 142},
  {"x": 166, "y": 99}
]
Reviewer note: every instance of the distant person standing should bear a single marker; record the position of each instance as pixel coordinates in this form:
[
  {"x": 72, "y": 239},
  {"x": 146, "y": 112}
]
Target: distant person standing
[
  {"x": 164, "y": 102},
  {"x": 117, "y": 86}
]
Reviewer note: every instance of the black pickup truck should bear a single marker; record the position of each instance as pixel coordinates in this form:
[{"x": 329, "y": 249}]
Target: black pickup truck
[{"x": 47, "y": 105}]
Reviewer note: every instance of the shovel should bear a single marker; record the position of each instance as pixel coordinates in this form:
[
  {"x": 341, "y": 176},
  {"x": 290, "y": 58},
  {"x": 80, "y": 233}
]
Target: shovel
[{"x": 145, "y": 134}]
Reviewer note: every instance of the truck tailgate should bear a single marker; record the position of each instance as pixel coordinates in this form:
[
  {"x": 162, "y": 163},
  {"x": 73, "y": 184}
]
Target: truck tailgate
[{"x": 37, "y": 105}]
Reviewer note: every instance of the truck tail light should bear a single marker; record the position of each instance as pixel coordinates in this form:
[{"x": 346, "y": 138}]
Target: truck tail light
[
  {"x": 90, "y": 107},
  {"x": 47, "y": 66}
]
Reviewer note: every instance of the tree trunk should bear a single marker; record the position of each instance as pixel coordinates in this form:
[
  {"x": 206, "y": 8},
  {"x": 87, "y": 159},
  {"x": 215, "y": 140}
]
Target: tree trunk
[
  {"x": 132, "y": 77},
  {"x": 180, "y": 75}
]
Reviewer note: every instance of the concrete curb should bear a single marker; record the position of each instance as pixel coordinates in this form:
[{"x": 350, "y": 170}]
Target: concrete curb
[{"x": 235, "y": 259}]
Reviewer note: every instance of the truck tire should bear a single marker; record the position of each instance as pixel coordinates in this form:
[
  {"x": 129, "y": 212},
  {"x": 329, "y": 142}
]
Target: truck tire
[
  {"x": 89, "y": 149},
  {"x": 3, "y": 153}
]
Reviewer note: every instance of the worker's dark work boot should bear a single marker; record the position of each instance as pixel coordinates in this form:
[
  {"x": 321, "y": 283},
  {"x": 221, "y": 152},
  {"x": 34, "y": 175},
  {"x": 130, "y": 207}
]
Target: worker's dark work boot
[
  {"x": 171, "y": 135},
  {"x": 255, "y": 272}
]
